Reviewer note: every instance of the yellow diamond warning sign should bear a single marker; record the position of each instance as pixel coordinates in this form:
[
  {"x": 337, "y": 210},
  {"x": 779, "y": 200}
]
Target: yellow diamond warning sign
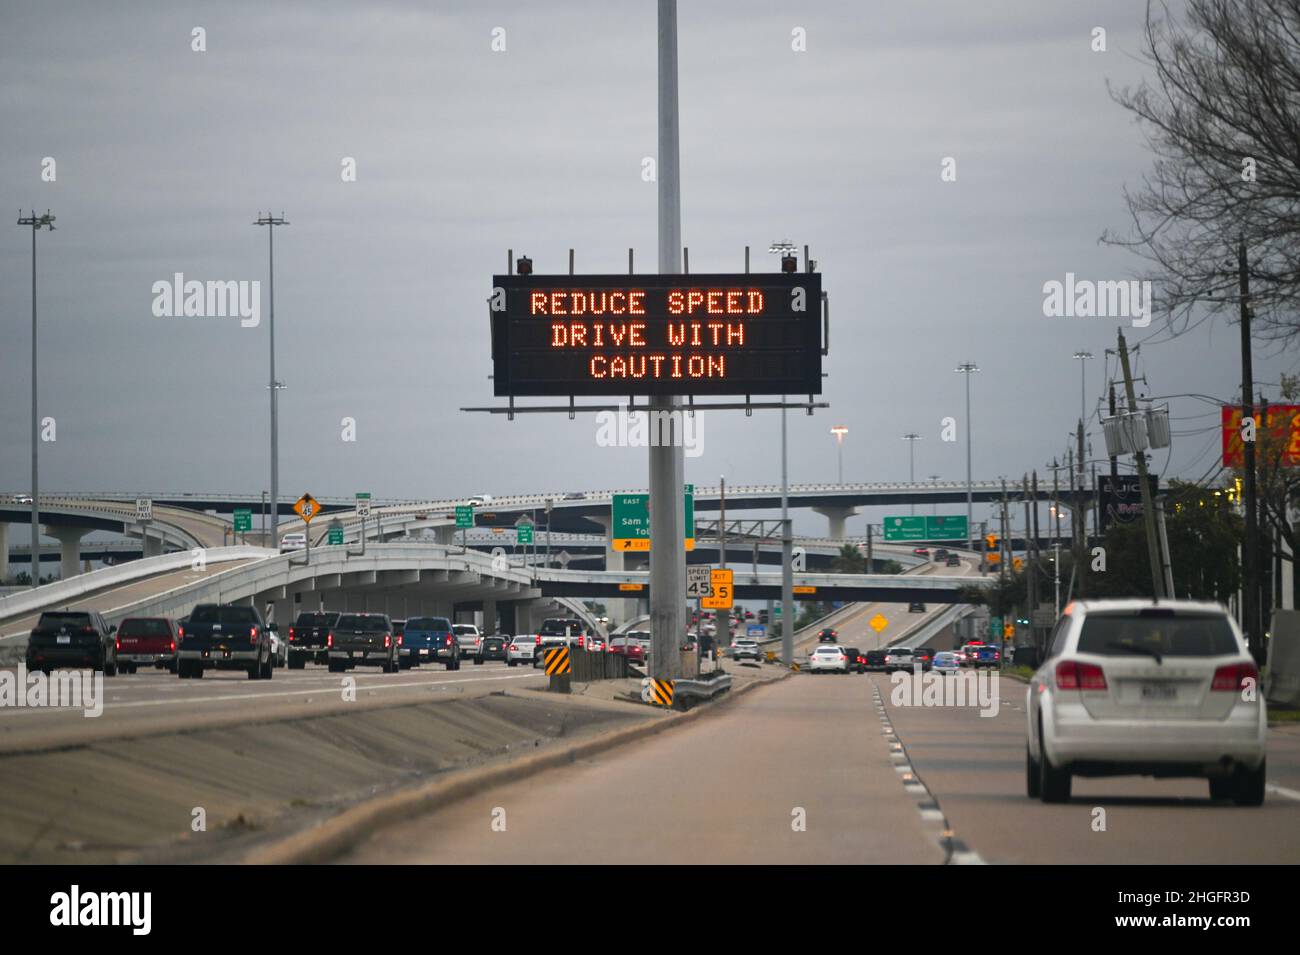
[{"x": 307, "y": 507}]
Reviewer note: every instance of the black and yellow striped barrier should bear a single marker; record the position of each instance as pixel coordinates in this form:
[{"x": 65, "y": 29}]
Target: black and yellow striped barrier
[
  {"x": 661, "y": 692},
  {"x": 794, "y": 667},
  {"x": 557, "y": 661}
]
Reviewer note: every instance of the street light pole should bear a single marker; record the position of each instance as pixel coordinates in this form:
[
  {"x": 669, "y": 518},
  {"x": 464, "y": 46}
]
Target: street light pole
[
  {"x": 840, "y": 431},
  {"x": 968, "y": 368},
  {"x": 275, "y": 386},
  {"x": 785, "y": 248},
  {"x": 35, "y": 222},
  {"x": 911, "y": 438}
]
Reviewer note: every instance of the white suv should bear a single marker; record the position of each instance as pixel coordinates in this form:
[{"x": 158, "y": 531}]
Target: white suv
[{"x": 1138, "y": 687}]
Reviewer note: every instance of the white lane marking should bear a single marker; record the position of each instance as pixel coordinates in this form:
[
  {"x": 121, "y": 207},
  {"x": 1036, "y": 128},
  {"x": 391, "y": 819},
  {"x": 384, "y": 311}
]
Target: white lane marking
[
  {"x": 1282, "y": 791},
  {"x": 231, "y": 698}
]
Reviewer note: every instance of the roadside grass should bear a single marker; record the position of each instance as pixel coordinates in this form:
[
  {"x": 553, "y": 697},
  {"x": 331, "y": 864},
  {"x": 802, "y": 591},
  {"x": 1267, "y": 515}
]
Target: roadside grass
[
  {"x": 1276, "y": 715},
  {"x": 1021, "y": 672}
]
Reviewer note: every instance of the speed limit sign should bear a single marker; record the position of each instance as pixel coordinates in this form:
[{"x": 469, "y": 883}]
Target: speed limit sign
[{"x": 307, "y": 507}]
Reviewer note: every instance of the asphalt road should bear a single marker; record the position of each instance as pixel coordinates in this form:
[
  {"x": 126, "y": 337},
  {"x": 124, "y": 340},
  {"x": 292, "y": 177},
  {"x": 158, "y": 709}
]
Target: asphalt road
[
  {"x": 975, "y": 767},
  {"x": 855, "y": 627},
  {"x": 17, "y": 629},
  {"x": 723, "y": 790},
  {"x": 150, "y": 701},
  {"x": 731, "y": 787}
]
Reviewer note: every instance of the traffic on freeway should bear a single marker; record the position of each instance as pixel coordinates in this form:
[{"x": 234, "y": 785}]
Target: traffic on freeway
[{"x": 649, "y": 435}]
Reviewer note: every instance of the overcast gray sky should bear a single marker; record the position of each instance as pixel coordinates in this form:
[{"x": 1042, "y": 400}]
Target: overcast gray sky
[{"x": 165, "y": 155}]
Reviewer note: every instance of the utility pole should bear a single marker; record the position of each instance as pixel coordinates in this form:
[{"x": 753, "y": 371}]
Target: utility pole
[
  {"x": 667, "y": 465},
  {"x": 723, "y": 617},
  {"x": 35, "y": 222},
  {"x": 271, "y": 222},
  {"x": 1148, "y": 507},
  {"x": 1080, "y": 515},
  {"x": 1031, "y": 577},
  {"x": 1250, "y": 611},
  {"x": 1004, "y": 545}
]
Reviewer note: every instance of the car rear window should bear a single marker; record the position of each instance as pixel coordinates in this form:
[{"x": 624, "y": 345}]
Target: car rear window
[
  {"x": 560, "y": 628},
  {"x": 63, "y": 618},
  {"x": 212, "y": 613},
  {"x": 146, "y": 627},
  {"x": 316, "y": 619},
  {"x": 463, "y": 628},
  {"x": 1165, "y": 632},
  {"x": 438, "y": 624},
  {"x": 362, "y": 621}
]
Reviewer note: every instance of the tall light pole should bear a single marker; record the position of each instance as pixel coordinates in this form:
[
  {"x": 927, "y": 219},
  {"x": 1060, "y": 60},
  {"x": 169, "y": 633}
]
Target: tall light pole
[
  {"x": 35, "y": 222},
  {"x": 968, "y": 368},
  {"x": 1082, "y": 357},
  {"x": 275, "y": 386},
  {"x": 840, "y": 431},
  {"x": 911, "y": 438},
  {"x": 785, "y": 248}
]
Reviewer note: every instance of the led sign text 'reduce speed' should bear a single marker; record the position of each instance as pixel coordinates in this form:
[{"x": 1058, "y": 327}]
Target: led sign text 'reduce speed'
[{"x": 660, "y": 334}]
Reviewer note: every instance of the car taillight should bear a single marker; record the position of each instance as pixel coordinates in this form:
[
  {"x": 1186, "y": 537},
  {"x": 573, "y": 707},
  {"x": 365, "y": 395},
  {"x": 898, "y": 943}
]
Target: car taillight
[
  {"x": 173, "y": 647},
  {"x": 400, "y": 638},
  {"x": 539, "y": 639},
  {"x": 1233, "y": 677},
  {"x": 117, "y": 644},
  {"x": 252, "y": 634},
  {"x": 180, "y": 632},
  {"x": 329, "y": 641},
  {"x": 1071, "y": 675},
  {"x": 388, "y": 640},
  {"x": 292, "y": 637},
  {"x": 449, "y": 641}
]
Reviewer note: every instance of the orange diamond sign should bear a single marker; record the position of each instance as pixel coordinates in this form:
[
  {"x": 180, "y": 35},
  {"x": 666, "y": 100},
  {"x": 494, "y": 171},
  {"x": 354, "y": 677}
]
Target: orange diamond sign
[
  {"x": 307, "y": 507},
  {"x": 878, "y": 622}
]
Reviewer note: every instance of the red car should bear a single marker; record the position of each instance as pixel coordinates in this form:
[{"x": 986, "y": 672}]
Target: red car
[
  {"x": 147, "y": 641},
  {"x": 635, "y": 652}
]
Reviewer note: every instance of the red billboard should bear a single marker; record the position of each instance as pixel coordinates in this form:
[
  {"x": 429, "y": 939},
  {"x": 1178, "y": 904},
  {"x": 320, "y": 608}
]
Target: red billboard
[{"x": 1280, "y": 429}]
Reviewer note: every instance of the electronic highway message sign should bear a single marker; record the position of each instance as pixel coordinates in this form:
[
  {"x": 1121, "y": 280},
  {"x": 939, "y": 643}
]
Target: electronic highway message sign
[{"x": 618, "y": 335}]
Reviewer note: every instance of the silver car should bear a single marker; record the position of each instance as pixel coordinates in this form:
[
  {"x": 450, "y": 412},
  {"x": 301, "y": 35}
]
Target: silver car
[{"x": 1139, "y": 687}]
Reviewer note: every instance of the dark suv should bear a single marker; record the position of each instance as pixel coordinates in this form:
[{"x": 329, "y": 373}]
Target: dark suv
[
  {"x": 923, "y": 656},
  {"x": 828, "y": 635},
  {"x": 857, "y": 661},
  {"x": 79, "y": 638},
  {"x": 363, "y": 639},
  {"x": 224, "y": 637}
]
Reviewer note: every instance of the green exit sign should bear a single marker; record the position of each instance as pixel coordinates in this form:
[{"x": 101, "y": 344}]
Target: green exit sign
[
  {"x": 524, "y": 534},
  {"x": 464, "y": 515},
  {"x": 335, "y": 535},
  {"x": 931, "y": 527},
  {"x": 243, "y": 520}
]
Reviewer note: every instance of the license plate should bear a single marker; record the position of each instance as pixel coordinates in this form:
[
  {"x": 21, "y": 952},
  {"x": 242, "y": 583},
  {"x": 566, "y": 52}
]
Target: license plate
[
  {"x": 63, "y": 639},
  {"x": 1159, "y": 691}
]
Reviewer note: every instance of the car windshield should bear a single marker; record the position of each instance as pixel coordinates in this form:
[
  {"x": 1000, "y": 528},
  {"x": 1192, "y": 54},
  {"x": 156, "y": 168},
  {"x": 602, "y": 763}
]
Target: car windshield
[
  {"x": 1157, "y": 631},
  {"x": 362, "y": 621},
  {"x": 226, "y": 616},
  {"x": 440, "y": 624}
]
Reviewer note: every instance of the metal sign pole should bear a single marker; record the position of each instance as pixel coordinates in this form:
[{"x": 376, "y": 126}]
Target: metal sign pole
[{"x": 667, "y": 465}]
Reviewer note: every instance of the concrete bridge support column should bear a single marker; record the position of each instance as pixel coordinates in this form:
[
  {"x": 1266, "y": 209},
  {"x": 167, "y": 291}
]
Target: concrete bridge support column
[
  {"x": 445, "y": 534},
  {"x": 152, "y": 546},
  {"x": 69, "y": 539},
  {"x": 4, "y": 551},
  {"x": 489, "y": 616},
  {"x": 838, "y": 518}
]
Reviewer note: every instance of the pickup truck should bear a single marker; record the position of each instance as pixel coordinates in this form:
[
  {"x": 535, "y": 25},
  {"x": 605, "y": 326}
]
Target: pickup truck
[
  {"x": 309, "y": 636},
  {"x": 429, "y": 640},
  {"x": 362, "y": 639},
  {"x": 558, "y": 632},
  {"x": 986, "y": 655},
  {"x": 224, "y": 637}
]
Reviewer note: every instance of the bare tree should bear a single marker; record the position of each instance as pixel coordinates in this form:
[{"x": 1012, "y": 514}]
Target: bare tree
[{"x": 1222, "y": 119}]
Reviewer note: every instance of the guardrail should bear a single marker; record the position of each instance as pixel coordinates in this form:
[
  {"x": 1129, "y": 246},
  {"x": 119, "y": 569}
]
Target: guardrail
[
  {"x": 63, "y": 591},
  {"x": 689, "y": 692}
]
